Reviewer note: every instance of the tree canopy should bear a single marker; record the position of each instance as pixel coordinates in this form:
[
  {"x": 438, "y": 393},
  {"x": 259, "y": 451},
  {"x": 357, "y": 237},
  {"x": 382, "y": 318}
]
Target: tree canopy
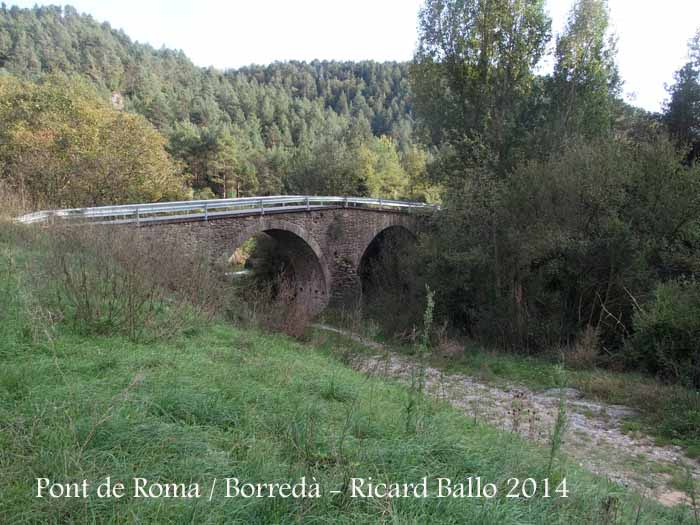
[
  {"x": 682, "y": 111},
  {"x": 237, "y": 131},
  {"x": 61, "y": 145},
  {"x": 563, "y": 207}
]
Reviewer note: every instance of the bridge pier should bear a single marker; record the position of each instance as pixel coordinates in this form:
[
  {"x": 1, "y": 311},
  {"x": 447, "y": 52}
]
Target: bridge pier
[{"x": 347, "y": 286}]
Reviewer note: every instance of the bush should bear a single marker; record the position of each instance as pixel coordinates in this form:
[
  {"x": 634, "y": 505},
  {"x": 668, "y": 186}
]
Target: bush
[
  {"x": 11, "y": 204},
  {"x": 108, "y": 279},
  {"x": 666, "y": 339},
  {"x": 681, "y": 418},
  {"x": 271, "y": 302},
  {"x": 583, "y": 354},
  {"x": 530, "y": 260}
]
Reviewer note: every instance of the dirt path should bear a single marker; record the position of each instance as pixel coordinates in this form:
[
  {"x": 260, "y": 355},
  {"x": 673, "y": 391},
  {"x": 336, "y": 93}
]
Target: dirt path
[{"x": 594, "y": 435}]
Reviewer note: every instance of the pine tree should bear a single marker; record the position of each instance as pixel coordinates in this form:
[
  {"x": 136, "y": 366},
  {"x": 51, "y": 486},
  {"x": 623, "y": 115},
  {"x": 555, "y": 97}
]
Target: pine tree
[{"x": 682, "y": 111}]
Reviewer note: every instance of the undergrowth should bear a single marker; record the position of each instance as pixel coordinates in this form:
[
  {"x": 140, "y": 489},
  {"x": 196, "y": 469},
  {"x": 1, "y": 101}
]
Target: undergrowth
[{"x": 226, "y": 402}]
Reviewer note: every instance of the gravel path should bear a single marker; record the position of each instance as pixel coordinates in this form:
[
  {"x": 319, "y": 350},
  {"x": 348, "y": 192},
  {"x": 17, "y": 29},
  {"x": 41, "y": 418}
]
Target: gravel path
[{"x": 594, "y": 437}]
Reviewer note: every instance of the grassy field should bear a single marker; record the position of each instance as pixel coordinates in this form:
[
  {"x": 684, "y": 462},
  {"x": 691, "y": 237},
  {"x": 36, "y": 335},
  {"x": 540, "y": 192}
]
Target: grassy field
[{"x": 222, "y": 402}]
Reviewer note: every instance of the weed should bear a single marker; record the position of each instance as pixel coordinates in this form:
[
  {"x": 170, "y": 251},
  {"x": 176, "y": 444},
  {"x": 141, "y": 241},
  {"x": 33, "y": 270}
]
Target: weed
[
  {"x": 584, "y": 353},
  {"x": 417, "y": 386},
  {"x": 560, "y": 423},
  {"x": 303, "y": 435},
  {"x": 333, "y": 390},
  {"x": 610, "y": 510},
  {"x": 107, "y": 279},
  {"x": 630, "y": 427},
  {"x": 692, "y": 493},
  {"x": 517, "y": 410}
]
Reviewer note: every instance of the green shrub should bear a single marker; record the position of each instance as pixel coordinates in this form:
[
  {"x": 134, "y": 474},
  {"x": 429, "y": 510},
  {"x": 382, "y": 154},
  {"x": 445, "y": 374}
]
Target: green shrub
[
  {"x": 110, "y": 280},
  {"x": 678, "y": 420},
  {"x": 666, "y": 338}
]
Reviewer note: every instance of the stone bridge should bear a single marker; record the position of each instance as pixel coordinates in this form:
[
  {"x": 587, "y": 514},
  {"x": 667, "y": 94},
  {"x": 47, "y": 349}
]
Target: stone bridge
[
  {"x": 325, "y": 247},
  {"x": 325, "y": 239}
]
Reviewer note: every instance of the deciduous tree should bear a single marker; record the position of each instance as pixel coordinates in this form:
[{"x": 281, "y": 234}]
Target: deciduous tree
[
  {"x": 682, "y": 111},
  {"x": 62, "y": 145}
]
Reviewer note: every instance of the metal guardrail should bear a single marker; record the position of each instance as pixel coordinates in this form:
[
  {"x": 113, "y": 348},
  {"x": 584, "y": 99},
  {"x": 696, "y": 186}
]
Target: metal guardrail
[{"x": 202, "y": 210}]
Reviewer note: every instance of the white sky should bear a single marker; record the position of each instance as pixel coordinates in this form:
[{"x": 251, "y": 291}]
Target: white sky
[{"x": 652, "y": 34}]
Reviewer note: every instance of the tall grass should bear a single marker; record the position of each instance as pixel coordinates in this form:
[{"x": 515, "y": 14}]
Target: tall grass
[
  {"x": 271, "y": 304},
  {"x": 10, "y": 301},
  {"x": 238, "y": 403},
  {"x": 12, "y": 298},
  {"x": 560, "y": 423},
  {"x": 11, "y": 203},
  {"x": 417, "y": 387},
  {"x": 227, "y": 402},
  {"x": 109, "y": 279}
]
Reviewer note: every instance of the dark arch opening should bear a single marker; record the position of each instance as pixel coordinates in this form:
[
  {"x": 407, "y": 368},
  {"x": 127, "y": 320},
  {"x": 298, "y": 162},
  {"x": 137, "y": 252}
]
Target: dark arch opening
[
  {"x": 392, "y": 286},
  {"x": 283, "y": 270}
]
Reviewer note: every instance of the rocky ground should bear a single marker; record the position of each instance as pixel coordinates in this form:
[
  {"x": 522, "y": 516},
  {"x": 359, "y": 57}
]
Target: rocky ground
[{"x": 595, "y": 434}]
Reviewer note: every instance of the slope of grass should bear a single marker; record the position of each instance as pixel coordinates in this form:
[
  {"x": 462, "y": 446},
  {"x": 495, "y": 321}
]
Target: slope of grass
[{"x": 223, "y": 402}]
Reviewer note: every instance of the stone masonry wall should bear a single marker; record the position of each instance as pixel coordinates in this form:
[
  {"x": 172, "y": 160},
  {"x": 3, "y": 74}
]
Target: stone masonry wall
[{"x": 334, "y": 241}]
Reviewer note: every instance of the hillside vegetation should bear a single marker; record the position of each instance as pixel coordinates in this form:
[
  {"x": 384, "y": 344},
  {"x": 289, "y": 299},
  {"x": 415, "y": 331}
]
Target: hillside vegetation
[
  {"x": 255, "y": 130},
  {"x": 570, "y": 219},
  {"x": 218, "y": 402}
]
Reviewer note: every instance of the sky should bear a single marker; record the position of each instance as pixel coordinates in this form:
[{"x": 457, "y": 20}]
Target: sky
[{"x": 652, "y": 34}]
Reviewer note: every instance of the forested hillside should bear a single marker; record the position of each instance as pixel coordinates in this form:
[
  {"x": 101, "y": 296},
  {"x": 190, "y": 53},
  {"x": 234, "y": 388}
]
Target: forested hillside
[{"x": 259, "y": 129}]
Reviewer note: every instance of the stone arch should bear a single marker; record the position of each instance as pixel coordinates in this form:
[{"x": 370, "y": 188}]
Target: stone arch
[
  {"x": 313, "y": 279},
  {"x": 372, "y": 235},
  {"x": 388, "y": 279}
]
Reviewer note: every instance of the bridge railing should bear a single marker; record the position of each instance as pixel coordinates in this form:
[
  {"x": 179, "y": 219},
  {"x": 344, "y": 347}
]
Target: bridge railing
[{"x": 203, "y": 209}]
